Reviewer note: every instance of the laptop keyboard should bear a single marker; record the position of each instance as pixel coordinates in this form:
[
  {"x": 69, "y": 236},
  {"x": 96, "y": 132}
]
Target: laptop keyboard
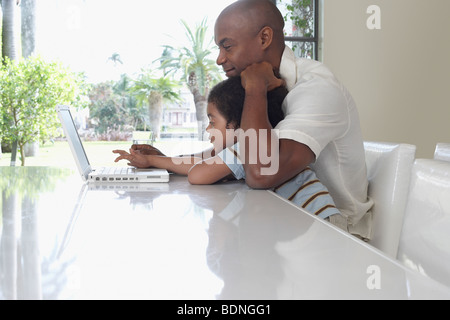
[
  {"x": 116, "y": 171},
  {"x": 115, "y": 174}
]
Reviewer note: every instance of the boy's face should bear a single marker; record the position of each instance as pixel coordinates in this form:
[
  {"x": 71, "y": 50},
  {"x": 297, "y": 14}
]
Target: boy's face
[{"x": 221, "y": 134}]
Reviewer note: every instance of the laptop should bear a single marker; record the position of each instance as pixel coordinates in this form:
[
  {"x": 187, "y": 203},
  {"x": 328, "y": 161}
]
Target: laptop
[{"x": 104, "y": 174}]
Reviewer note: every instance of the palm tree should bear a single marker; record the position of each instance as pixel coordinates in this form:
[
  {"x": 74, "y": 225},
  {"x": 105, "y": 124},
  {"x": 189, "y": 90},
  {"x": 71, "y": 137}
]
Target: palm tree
[
  {"x": 9, "y": 38},
  {"x": 199, "y": 72},
  {"x": 153, "y": 91},
  {"x": 28, "y": 27},
  {"x": 115, "y": 58},
  {"x": 135, "y": 112},
  {"x": 9, "y": 44}
]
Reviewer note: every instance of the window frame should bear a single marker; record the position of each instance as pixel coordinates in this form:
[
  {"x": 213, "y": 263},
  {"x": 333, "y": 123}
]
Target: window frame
[{"x": 315, "y": 39}]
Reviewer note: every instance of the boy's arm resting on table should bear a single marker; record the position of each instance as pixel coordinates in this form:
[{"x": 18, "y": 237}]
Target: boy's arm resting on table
[
  {"x": 147, "y": 149},
  {"x": 228, "y": 164},
  {"x": 209, "y": 171},
  {"x": 293, "y": 157},
  {"x": 199, "y": 171},
  {"x": 178, "y": 165}
]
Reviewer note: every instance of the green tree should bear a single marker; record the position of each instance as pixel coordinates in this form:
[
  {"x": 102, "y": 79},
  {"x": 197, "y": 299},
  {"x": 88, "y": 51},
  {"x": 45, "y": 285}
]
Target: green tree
[
  {"x": 30, "y": 90},
  {"x": 301, "y": 14},
  {"x": 152, "y": 91},
  {"x": 113, "y": 106},
  {"x": 105, "y": 108},
  {"x": 199, "y": 72}
]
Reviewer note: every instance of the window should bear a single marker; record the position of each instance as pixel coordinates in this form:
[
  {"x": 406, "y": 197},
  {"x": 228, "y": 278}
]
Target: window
[{"x": 302, "y": 24}]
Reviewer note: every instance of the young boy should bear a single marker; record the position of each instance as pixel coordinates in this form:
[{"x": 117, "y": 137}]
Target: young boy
[{"x": 225, "y": 104}]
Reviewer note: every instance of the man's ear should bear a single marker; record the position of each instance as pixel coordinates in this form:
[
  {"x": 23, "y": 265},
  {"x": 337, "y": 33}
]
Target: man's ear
[{"x": 266, "y": 36}]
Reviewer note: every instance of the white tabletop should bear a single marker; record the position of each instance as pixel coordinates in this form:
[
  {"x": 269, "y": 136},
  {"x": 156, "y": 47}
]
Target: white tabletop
[{"x": 63, "y": 239}]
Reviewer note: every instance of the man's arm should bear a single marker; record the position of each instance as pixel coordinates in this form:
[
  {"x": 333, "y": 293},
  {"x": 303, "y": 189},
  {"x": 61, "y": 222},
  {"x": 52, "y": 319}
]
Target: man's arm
[{"x": 292, "y": 156}]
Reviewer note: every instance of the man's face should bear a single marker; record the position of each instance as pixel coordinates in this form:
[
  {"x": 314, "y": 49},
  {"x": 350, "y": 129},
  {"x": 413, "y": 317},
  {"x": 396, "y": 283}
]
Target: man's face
[{"x": 238, "y": 45}]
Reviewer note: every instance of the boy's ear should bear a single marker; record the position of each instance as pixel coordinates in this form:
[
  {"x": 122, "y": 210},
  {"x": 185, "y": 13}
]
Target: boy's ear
[
  {"x": 232, "y": 125},
  {"x": 266, "y": 36}
]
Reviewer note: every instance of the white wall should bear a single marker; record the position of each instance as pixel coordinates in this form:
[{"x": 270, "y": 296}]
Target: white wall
[{"x": 399, "y": 75}]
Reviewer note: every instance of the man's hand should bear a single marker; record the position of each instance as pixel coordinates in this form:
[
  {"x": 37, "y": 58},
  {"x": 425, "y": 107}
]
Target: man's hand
[
  {"x": 260, "y": 75},
  {"x": 291, "y": 157}
]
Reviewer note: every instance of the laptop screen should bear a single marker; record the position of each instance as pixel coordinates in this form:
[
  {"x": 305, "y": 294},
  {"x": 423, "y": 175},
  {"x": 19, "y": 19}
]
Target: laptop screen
[{"x": 74, "y": 140}]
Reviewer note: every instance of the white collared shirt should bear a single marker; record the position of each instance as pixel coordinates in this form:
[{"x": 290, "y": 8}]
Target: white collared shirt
[{"x": 320, "y": 113}]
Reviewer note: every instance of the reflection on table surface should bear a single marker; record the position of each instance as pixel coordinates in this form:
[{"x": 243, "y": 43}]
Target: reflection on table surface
[{"x": 63, "y": 239}]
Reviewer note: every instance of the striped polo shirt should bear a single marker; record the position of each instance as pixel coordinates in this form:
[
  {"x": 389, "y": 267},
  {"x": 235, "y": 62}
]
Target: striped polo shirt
[{"x": 305, "y": 189}]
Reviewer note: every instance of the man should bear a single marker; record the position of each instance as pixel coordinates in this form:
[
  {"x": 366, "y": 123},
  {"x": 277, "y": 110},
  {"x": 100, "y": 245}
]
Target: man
[{"x": 321, "y": 126}]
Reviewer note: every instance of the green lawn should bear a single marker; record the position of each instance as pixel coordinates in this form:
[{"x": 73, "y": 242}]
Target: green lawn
[{"x": 99, "y": 152}]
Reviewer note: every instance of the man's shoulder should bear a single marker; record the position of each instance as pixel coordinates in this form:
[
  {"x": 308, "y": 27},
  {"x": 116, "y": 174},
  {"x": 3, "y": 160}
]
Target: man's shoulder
[
  {"x": 310, "y": 66},
  {"x": 295, "y": 70},
  {"x": 289, "y": 59}
]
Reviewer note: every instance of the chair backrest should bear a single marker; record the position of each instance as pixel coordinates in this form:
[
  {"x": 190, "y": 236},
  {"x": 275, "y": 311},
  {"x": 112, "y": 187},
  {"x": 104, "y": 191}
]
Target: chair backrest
[
  {"x": 425, "y": 239},
  {"x": 389, "y": 172},
  {"x": 442, "y": 151}
]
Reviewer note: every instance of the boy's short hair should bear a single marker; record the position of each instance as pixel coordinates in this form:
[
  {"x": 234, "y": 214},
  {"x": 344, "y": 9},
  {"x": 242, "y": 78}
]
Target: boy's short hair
[{"x": 229, "y": 97}]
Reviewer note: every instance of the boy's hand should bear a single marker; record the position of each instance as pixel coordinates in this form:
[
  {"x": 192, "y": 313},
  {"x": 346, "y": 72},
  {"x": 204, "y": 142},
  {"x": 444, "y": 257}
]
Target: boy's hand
[
  {"x": 146, "y": 149},
  {"x": 135, "y": 158}
]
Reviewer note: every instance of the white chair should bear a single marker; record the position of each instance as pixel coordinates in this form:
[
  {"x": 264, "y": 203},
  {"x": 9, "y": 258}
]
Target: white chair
[
  {"x": 389, "y": 172},
  {"x": 442, "y": 151},
  {"x": 425, "y": 239}
]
